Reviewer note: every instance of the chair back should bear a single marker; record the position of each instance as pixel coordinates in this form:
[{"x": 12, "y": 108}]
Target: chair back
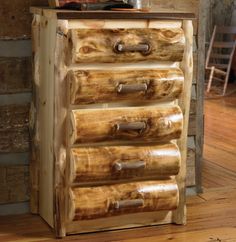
[{"x": 222, "y": 47}]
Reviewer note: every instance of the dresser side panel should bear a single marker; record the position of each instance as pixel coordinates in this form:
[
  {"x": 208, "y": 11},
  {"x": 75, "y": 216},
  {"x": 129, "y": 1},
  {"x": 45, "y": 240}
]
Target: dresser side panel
[{"x": 46, "y": 117}]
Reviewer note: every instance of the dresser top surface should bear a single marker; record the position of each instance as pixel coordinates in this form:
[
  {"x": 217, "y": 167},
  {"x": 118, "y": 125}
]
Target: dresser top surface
[{"x": 70, "y": 14}]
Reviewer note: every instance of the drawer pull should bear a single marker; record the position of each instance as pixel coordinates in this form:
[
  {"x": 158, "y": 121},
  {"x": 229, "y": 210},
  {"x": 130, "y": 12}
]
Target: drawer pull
[
  {"x": 143, "y": 48},
  {"x": 128, "y": 203},
  {"x": 130, "y": 165},
  {"x": 130, "y": 88},
  {"x": 134, "y": 126}
]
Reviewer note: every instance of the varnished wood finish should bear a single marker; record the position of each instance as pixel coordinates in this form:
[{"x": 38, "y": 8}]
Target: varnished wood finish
[
  {"x": 205, "y": 211},
  {"x": 184, "y": 102},
  {"x": 68, "y": 14},
  {"x": 114, "y": 163},
  {"x": 100, "y": 45},
  {"x": 205, "y": 215},
  {"x": 163, "y": 123},
  {"x": 64, "y": 126},
  {"x": 96, "y": 202},
  {"x": 92, "y": 86},
  {"x": 219, "y": 168}
]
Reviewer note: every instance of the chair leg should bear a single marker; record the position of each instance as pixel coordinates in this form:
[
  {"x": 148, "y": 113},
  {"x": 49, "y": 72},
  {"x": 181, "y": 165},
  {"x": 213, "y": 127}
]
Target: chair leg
[
  {"x": 210, "y": 79},
  {"x": 226, "y": 83}
]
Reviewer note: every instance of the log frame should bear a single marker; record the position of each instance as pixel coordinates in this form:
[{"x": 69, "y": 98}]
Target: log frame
[
  {"x": 179, "y": 216},
  {"x": 61, "y": 154}
]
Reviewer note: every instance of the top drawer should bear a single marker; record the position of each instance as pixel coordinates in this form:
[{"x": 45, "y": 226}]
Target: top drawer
[{"x": 125, "y": 45}]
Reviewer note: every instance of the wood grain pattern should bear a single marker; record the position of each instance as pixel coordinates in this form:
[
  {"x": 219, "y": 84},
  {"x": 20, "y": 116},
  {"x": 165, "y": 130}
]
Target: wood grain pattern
[
  {"x": 14, "y": 121},
  {"x": 34, "y": 119},
  {"x": 99, "y": 45},
  {"x": 179, "y": 6},
  {"x": 219, "y": 170},
  {"x": 46, "y": 112},
  {"x": 87, "y": 87},
  {"x": 162, "y": 124},
  {"x": 15, "y": 21},
  {"x": 14, "y": 183},
  {"x": 184, "y": 102},
  {"x": 157, "y": 123},
  {"x": 192, "y": 125},
  {"x": 15, "y": 75},
  {"x": 203, "y": 14},
  {"x": 96, "y": 202},
  {"x": 94, "y": 164}
]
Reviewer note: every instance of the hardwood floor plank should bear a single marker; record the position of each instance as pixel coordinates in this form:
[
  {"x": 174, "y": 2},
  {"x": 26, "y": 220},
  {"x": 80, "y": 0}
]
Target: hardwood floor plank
[
  {"x": 219, "y": 165},
  {"x": 213, "y": 235}
]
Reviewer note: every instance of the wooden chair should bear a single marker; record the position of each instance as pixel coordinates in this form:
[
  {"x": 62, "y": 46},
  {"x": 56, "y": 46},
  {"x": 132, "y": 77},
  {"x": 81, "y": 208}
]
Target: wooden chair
[{"x": 220, "y": 55}]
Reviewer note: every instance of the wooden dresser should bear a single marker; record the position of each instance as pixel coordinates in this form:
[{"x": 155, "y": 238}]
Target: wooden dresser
[{"x": 109, "y": 118}]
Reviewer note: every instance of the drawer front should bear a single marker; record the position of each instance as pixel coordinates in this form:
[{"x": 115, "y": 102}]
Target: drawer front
[
  {"x": 105, "y": 201},
  {"x": 158, "y": 124},
  {"x": 125, "y": 45},
  {"x": 114, "y": 163},
  {"x": 88, "y": 87}
]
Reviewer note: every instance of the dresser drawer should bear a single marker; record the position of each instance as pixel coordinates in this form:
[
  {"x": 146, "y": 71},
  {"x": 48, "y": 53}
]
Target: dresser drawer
[
  {"x": 88, "y": 87},
  {"x": 98, "y": 202},
  {"x": 156, "y": 123},
  {"x": 125, "y": 45},
  {"x": 123, "y": 162}
]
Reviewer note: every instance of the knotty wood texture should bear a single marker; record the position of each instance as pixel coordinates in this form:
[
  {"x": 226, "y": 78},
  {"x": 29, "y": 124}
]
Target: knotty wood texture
[
  {"x": 98, "y": 45},
  {"x": 54, "y": 123},
  {"x": 94, "y": 164},
  {"x": 88, "y": 87},
  {"x": 162, "y": 123},
  {"x": 15, "y": 75},
  {"x": 96, "y": 202},
  {"x": 14, "y": 121},
  {"x": 184, "y": 102}
]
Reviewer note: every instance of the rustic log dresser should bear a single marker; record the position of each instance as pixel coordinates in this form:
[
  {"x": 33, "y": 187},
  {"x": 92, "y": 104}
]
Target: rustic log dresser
[{"x": 109, "y": 118}]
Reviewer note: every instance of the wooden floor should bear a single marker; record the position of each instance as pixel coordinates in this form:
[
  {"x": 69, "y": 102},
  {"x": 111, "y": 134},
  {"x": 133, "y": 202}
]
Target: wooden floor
[
  {"x": 211, "y": 215},
  {"x": 219, "y": 168}
]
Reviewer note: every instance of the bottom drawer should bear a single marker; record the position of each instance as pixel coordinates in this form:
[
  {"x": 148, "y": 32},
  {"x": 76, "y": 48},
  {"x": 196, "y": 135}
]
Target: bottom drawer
[{"x": 105, "y": 201}]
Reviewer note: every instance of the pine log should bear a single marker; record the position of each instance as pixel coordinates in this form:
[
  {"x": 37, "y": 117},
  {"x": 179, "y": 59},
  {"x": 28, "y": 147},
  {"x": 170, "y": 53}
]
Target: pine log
[
  {"x": 34, "y": 119},
  {"x": 123, "y": 162},
  {"x": 91, "y": 86},
  {"x": 160, "y": 124},
  {"x": 106, "y": 201},
  {"x": 125, "y": 45}
]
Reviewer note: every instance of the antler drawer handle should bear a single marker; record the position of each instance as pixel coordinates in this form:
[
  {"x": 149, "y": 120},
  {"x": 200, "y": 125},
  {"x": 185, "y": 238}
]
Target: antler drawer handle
[
  {"x": 134, "y": 126},
  {"x": 143, "y": 48},
  {"x": 128, "y": 203},
  {"x": 130, "y": 88},
  {"x": 129, "y": 165}
]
